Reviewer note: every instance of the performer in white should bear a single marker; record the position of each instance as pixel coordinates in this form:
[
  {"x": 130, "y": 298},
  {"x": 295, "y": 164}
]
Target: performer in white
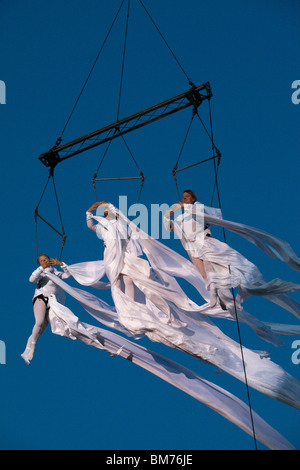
[
  {"x": 64, "y": 323},
  {"x": 164, "y": 313},
  {"x": 140, "y": 299},
  {"x": 44, "y": 288},
  {"x": 220, "y": 266},
  {"x": 158, "y": 308}
]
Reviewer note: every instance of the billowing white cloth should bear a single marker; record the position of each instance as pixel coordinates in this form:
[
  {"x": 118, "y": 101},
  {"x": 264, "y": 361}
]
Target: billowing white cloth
[
  {"x": 169, "y": 265},
  {"x": 45, "y": 285},
  {"x": 227, "y": 267},
  {"x": 121, "y": 257},
  {"x": 88, "y": 273},
  {"x": 271, "y": 245},
  {"x": 200, "y": 338},
  {"x": 63, "y": 322}
]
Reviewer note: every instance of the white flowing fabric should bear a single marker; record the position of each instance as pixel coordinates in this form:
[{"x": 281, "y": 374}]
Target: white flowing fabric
[
  {"x": 200, "y": 338},
  {"x": 88, "y": 273},
  {"x": 169, "y": 264},
  {"x": 227, "y": 268},
  {"x": 162, "y": 311},
  {"x": 64, "y": 323}
]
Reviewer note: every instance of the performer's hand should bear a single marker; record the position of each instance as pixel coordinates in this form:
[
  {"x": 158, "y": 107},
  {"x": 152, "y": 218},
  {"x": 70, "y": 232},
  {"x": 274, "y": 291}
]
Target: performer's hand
[{"x": 54, "y": 262}]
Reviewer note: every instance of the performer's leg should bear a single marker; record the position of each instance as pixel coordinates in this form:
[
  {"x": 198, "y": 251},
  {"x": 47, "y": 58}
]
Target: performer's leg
[
  {"x": 199, "y": 263},
  {"x": 41, "y": 321},
  {"x": 204, "y": 267}
]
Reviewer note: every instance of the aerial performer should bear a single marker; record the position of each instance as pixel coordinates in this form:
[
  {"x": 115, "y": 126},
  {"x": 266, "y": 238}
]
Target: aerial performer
[
  {"x": 45, "y": 287},
  {"x": 64, "y": 323},
  {"x": 220, "y": 266},
  {"x": 150, "y": 303},
  {"x": 155, "y": 306}
]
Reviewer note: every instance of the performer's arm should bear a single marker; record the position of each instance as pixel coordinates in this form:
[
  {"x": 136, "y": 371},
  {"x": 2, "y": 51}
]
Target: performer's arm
[
  {"x": 65, "y": 274},
  {"x": 89, "y": 217},
  {"x": 37, "y": 275},
  {"x": 168, "y": 222},
  {"x": 89, "y": 221}
]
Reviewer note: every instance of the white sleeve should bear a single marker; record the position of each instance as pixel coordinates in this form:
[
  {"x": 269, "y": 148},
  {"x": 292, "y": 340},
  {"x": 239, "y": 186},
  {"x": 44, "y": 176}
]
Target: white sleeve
[
  {"x": 90, "y": 223},
  {"x": 168, "y": 222},
  {"x": 66, "y": 274},
  {"x": 37, "y": 275}
]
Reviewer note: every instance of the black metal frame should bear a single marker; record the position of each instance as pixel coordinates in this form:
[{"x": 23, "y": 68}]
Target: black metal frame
[{"x": 192, "y": 97}]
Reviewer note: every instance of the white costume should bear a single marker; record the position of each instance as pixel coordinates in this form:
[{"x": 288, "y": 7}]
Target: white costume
[
  {"x": 160, "y": 310},
  {"x": 165, "y": 314},
  {"x": 44, "y": 289},
  {"x": 225, "y": 267},
  {"x": 64, "y": 323}
]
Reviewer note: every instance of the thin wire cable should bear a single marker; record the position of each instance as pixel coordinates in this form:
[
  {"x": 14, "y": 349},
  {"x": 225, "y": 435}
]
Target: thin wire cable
[
  {"x": 61, "y": 221},
  {"x": 63, "y": 234},
  {"x": 180, "y": 153},
  {"x": 126, "y": 145},
  {"x": 232, "y": 290},
  {"x": 43, "y": 192},
  {"x": 123, "y": 60},
  {"x": 163, "y": 38},
  {"x": 58, "y": 206},
  {"x": 118, "y": 115},
  {"x": 93, "y": 66}
]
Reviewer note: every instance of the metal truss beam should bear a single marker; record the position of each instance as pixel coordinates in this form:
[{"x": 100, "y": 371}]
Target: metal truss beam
[{"x": 192, "y": 97}]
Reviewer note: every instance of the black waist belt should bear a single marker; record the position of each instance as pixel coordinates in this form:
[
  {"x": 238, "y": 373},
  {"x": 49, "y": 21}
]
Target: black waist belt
[{"x": 42, "y": 297}]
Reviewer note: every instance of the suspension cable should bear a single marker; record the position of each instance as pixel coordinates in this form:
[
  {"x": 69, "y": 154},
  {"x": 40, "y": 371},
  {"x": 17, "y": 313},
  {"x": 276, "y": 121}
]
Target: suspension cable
[
  {"x": 216, "y": 155},
  {"x": 123, "y": 60},
  {"x": 232, "y": 290},
  {"x": 94, "y": 179},
  {"x": 36, "y": 215},
  {"x": 90, "y": 72},
  {"x": 180, "y": 153},
  {"x": 166, "y": 43}
]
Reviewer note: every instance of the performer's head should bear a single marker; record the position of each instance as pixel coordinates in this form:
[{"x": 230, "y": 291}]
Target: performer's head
[
  {"x": 44, "y": 260},
  {"x": 189, "y": 197},
  {"x": 109, "y": 215}
]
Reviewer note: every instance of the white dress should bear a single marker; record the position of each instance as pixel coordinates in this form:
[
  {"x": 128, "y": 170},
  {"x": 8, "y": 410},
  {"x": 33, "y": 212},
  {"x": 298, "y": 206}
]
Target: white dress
[
  {"x": 225, "y": 267},
  {"x": 162, "y": 312},
  {"x": 64, "y": 323},
  {"x": 45, "y": 286}
]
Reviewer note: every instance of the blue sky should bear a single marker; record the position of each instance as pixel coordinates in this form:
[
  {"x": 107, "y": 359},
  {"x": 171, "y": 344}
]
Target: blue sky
[{"x": 73, "y": 396}]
